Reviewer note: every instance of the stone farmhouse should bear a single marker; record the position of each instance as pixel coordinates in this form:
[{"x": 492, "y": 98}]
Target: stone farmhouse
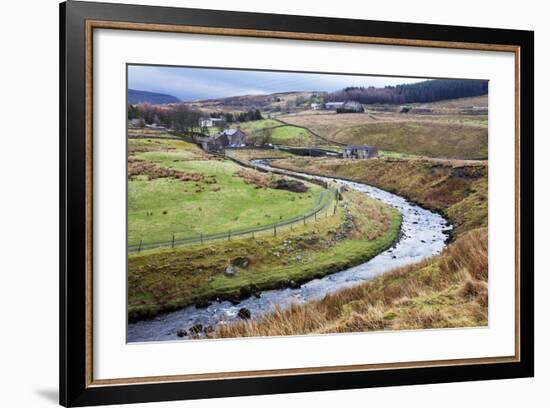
[
  {"x": 339, "y": 107},
  {"x": 224, "y": 139},
  {"x": 359, "y": 152}
]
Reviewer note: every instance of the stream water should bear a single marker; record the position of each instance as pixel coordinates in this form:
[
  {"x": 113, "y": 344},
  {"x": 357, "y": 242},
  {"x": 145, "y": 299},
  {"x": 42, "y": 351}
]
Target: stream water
[{"x": 423, "y": 234}]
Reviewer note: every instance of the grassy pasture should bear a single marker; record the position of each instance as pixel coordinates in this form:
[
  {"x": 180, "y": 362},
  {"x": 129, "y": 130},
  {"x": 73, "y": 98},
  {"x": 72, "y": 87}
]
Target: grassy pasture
[
  {"x": 180, "y": 149},
  {"x": 433, "y": 139},
  {"x": 223, "y": 201},
  {"x": 255, "y": 125},
  {"x": 292, "y": 136},
  {"x": 327, "y": 125},
  {"x": 460, "y": 103},
  {"x": 444, "y": 133},
  {"x": 213, "y": 130},
  {"x": 250, "y": 154},
  {"x": 280, "y": 134},
  {"x": 162, "y": 280}
]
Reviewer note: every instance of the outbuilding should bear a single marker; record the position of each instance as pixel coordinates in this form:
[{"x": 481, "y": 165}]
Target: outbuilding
[
  {"x": 351, "y": 107},
  {"x": 360, "y": 152},
  {"x": 210, "y": 122}
]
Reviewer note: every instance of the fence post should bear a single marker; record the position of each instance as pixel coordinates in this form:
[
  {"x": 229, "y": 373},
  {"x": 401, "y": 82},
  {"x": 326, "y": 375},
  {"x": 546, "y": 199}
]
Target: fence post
[
  {"x": 304, "y": 220},
  {"x": 229, "y": 235},
  {"x": 315, "y": 216},
  {"x": 202, "y": 242},
  {"x": 275, "y": 230},
  {"x": 334, "y": 209},
  {"x": 291, "y": 226},
  {"x": 139, "y": 248},
  {"x": 173, "y": 237},
  {"x": 252, "y": 234}
]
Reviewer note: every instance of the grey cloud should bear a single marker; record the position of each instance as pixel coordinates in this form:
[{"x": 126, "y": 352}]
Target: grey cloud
[{"x": 203, "y": 83}]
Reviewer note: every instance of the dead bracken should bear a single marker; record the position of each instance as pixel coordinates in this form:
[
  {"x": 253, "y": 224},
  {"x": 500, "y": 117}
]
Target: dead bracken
[
  {"x": 447, "y": 290},
  {"x": 255, "y": 177},
  {"x": 140, "y": 167},
  {"x": 267, "y": 180}
]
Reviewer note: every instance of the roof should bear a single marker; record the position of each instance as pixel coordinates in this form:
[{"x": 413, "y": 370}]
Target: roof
[
  {"x": 226, "y": 132},
  {"x": 229, "y": 132}
]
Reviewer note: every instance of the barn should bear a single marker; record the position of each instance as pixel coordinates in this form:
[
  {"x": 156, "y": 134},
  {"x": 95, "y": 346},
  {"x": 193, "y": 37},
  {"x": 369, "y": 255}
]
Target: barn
[
  {"x": 360, "y": 152},
  {"x": 351, "y": 107}
]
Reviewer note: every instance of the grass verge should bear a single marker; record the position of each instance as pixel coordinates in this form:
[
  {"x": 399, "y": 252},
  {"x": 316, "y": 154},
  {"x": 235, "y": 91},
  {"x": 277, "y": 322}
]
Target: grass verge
[{"x": 449, "y": 290}]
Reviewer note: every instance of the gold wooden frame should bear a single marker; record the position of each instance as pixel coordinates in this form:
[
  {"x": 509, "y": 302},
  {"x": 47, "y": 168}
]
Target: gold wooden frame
[{"x": 99, "y": 24}]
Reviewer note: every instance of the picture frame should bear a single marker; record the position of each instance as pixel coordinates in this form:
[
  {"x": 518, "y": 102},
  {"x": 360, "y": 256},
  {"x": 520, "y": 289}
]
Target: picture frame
[{"x": 78, "y": 20}]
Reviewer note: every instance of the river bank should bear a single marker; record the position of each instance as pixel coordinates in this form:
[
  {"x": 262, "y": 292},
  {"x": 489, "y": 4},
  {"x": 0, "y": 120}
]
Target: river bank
[
  {"x": 457, "y": 189},
  {"x": 357, "y": 229},
  {"x": 423, "y": 235},
  {"x": 447, "y": 290}
]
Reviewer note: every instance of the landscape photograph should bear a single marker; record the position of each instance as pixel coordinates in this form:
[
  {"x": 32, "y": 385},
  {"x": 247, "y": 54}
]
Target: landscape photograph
[{"x": 275, "y": 203}]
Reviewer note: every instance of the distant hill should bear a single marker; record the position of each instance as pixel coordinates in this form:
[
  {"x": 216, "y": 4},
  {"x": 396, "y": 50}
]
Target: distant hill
[
  {"x": 135, "y": 96},
  {"x": 276, "y": 102},
  {"x": 419, "y": 92}
]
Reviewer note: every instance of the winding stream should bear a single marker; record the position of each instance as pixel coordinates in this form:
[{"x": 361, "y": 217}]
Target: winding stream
[{"x": 423, "y": 234}]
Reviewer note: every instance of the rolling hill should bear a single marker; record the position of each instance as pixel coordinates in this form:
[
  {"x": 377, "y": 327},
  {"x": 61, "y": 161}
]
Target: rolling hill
[
  {"x": 135, "y": 96},
  {"x": 276, "y": 102}
]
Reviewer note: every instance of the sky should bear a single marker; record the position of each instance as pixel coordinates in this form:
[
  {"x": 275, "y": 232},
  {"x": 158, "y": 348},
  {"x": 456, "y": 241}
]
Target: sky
[{"x": 205, "y": 83}]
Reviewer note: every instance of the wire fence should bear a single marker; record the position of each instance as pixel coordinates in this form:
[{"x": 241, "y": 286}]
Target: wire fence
[{"x": 323, "y": 207}]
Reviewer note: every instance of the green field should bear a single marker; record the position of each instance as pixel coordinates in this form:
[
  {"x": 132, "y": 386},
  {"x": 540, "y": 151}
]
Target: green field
[
  {"x": 167, "y": 279},
  {"x": 223, "y": 201},
  {"x": 213, "y": 130},
  {"x": 254, "y": 125},
  {"x": 246, "y": 155},
  {"x": 280, "y": 134},
  {"x": 292, "y": 136},
  {"x": 174, "y": 187}
]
